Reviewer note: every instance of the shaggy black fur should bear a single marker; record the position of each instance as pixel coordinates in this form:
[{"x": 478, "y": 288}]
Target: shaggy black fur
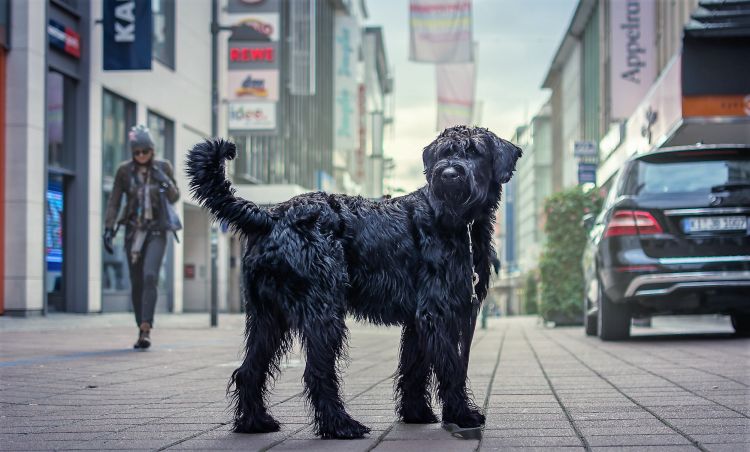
[{"x": 318, "y": 257}]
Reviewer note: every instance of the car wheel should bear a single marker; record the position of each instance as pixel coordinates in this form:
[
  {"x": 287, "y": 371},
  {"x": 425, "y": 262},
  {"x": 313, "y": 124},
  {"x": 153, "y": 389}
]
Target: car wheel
[
  {"x": 589, "y": 320},
  {"x": 741, "y": 324},
  {"x": 613, "y": 319}
]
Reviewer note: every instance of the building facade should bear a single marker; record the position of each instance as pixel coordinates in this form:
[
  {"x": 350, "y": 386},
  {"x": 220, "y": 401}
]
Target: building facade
[{"x": 68, "y": 133}]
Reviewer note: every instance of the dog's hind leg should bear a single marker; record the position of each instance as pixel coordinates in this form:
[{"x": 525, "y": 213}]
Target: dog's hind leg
[
  {"x": 267, "y": 339},
  {"x": 412, "y": 381},
  {"x": 323, "y": 339},
  {"x": 439, "y": 337}
]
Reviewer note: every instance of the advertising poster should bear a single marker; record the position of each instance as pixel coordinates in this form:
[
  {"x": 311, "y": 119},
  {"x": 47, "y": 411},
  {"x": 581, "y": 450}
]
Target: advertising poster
[
  {"x": 248, "y": 116},
  {"x": 253, "y": 85}
]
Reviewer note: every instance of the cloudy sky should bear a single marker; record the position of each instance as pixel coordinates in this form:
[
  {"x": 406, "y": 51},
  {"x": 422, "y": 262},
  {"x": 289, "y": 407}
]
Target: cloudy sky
[{"x": 517, "y": 40}]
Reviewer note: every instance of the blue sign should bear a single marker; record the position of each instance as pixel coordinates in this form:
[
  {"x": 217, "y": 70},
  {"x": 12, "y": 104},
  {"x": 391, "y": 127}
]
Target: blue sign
[
  {"x": 586, "y": 173},
  {"x": 54, "y": 233},
  {"x": 127, "y": 35}
]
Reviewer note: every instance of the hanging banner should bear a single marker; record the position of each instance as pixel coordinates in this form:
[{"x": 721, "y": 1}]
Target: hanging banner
[
  {"x": 632, "y": 53},
  {"x": 440, "y": 31},
  {"x": 127, "y": 34},
  {"x": 455, "y": 91},
  {"x": 345, "y": 87}
]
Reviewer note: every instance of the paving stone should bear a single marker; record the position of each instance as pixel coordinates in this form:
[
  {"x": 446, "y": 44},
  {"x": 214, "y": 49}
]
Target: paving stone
[
  {"x": 97, "y": 395},
  {"x": 636, "y": 440},
  {"x": 453, "y": 445},
  {"x": 531, "y": 441}
]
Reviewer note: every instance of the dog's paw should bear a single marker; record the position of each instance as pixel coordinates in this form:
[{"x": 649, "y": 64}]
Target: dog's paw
[
  {"x": 468, "y": 418},
  {"x": 418, "y": 415},
  {"x": 342, "y": 428},
  {"x": 260, "y": 424}
]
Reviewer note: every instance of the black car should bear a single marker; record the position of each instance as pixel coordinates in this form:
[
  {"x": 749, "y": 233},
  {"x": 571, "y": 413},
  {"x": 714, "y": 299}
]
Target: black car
[{"x": 673, "y": 237}]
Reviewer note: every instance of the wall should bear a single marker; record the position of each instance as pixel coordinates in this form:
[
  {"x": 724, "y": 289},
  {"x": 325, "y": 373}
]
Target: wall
[
  {"x": 182, "y": 95},
  {"x": 24, "y": 190},
  {"x": 571, "y": 114},
  {"x": 197, "y": 291}
]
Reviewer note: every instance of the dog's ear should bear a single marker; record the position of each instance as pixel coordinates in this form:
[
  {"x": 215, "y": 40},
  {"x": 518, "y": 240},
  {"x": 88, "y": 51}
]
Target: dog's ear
[
  {"x": 504, "y": 157},
  {"x": 428, "y": 156}
]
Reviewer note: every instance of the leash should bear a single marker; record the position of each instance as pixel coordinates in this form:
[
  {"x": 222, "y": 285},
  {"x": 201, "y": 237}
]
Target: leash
[{"x": 474, "y": 275}]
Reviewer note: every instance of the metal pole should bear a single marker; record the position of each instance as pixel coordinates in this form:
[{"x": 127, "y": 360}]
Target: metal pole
[{"x": 214, "y": 132}]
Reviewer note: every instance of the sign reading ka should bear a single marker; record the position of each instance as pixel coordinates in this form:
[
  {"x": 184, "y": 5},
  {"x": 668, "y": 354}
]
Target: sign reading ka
[{"x": 127, "y": 34}]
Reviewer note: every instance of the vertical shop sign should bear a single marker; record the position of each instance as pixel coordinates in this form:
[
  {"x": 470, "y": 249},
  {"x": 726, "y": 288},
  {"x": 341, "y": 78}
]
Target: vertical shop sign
[
  {"x": 632, "y": 53},
  {"x": 345, "y": 90},
  {"x": 253, "y": 58},
  {"x": 127, "y": 35}
]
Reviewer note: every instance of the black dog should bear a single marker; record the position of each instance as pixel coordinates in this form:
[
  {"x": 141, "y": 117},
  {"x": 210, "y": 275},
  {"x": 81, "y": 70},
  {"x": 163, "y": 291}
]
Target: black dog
[{"x": 405, "y": 261}]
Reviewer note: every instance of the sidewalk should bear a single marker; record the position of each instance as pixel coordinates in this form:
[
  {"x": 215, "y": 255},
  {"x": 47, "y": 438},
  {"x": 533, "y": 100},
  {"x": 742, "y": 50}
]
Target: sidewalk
[{"x": 72, "y": 382}]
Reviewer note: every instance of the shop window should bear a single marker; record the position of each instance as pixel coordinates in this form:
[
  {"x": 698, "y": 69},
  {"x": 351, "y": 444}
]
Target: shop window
[
  {"x": 60, "y": 117},
  {"x": 118, "y": 116},
  {"x": 163, "y": 31},
  {"x": 162, "y": 131}
]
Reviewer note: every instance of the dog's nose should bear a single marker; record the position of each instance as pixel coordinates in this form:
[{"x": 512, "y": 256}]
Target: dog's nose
[{"x": 449, "y": 174}]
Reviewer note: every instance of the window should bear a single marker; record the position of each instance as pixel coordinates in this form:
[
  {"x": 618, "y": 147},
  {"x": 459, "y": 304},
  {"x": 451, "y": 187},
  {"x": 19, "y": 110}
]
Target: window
[
  {"x": 162, "y": 44},
  {"x": 61, "y": 115},
  {"x": 688, "y": 175},
  {"x": 118, "y": 116},
  {"x": 162, "y": 131}
]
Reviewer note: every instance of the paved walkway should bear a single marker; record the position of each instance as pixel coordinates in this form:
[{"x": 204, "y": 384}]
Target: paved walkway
[{"x": 71, "y": 382}]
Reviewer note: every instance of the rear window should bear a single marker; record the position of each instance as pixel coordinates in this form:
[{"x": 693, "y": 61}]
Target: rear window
[{"x": 683, "y": 173}]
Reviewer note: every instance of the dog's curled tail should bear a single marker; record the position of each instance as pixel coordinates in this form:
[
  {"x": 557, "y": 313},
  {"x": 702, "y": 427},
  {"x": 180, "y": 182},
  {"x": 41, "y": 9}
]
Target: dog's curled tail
[{"x": 210, "y": 187}]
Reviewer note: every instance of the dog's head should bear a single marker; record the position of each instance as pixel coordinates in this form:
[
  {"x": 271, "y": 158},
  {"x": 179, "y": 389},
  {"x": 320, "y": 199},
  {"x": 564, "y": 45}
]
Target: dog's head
[{"x": 465, "y": 167}]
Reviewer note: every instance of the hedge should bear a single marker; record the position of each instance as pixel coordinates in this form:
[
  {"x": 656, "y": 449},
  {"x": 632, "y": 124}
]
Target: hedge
[{"x": 561, "y": 275}]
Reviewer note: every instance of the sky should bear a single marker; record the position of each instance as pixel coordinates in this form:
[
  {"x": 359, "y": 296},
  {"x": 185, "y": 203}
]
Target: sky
[{"x": 517, "y": 40}]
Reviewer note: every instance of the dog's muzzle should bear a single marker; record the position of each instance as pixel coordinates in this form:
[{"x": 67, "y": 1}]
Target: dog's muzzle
[{"x": 452, "y": 175}]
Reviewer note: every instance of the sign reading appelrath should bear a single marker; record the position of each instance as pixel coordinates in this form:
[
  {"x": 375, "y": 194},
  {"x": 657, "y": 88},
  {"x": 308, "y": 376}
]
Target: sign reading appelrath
[
  {"x": 127, "y": 35},
  {"x": 632, "y": 53}
]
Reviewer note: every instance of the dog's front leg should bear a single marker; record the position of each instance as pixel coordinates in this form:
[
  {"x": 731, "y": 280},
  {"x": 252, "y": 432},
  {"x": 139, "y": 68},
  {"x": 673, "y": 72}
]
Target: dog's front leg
[
  {"x": 438, "y": 332},
  {"x": 412, "y": 381}
]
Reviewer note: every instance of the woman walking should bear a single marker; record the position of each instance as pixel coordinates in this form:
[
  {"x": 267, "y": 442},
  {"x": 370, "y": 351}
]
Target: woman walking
[{"x": 143, "y": 181}]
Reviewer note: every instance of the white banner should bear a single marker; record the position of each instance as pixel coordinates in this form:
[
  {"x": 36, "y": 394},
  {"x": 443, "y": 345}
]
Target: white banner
[
  {"x": 252, "y": 116},
  {"x": 455, "y": 90},
  {"x": 632, "y": 53},
  {"x": 440, "y": 31},
  {"x": 345, "y": 86}
]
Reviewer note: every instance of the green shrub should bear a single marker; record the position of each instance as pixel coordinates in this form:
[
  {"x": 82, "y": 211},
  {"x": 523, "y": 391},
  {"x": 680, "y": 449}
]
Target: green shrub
[
  {"x": 561, "y": 274},
  {"x": 531, "y": 294}
]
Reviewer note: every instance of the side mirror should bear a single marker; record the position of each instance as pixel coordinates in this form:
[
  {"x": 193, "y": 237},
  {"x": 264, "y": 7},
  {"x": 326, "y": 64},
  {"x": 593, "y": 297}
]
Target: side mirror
[{"x": 588, "y": 221}]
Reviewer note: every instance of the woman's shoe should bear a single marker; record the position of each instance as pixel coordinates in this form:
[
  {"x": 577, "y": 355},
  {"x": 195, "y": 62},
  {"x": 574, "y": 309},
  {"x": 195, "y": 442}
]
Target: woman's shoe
[
  {"x": 138, "y": 341},
  {"x": 144, "y": 339}
]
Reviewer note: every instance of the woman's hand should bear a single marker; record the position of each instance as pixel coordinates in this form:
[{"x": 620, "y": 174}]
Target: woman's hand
[{"x": 109, "y": 235}]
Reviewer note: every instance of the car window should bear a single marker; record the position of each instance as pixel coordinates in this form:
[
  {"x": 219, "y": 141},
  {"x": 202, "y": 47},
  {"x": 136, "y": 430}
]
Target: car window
[{"x": 686, "y": 176}]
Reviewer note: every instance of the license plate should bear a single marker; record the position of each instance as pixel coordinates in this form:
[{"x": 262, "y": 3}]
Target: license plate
[{"x": 701, "y": 224}]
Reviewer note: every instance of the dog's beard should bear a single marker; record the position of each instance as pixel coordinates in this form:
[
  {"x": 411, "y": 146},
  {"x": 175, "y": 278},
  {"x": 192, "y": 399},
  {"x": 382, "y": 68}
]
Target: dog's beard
[{"x": 458, "y": 197}]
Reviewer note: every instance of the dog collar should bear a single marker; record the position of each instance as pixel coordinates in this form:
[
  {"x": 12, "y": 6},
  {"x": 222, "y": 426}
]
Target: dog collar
[{"x": 474, "y": 275}]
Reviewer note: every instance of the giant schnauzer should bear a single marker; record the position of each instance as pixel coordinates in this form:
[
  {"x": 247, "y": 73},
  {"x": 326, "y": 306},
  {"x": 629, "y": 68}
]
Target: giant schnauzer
[{"x": 421, "y": 261}]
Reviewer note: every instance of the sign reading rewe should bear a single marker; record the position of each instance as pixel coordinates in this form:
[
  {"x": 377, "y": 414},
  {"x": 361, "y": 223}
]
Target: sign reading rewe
[{"x": 127, "y": 34}]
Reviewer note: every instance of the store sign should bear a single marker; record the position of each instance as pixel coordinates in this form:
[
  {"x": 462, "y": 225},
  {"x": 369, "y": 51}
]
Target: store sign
[
  {"x": 64, "y": 38},
  {"x": 345, "y": 88},
  {"x": 632, "y": 53},
  {"x": 251, "y": 54},
  {"x": 727, "y": 105},
  {"x": 586, "y": 173},
  {"x": 585, "y": 149},
  {"x": 127, "y": 31},
  {"x": 254, "y": 27},
  {"x": 252, "y": 116},
  {"x": 253, "y": 64},
  {"x": 253, "y": 85}
]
